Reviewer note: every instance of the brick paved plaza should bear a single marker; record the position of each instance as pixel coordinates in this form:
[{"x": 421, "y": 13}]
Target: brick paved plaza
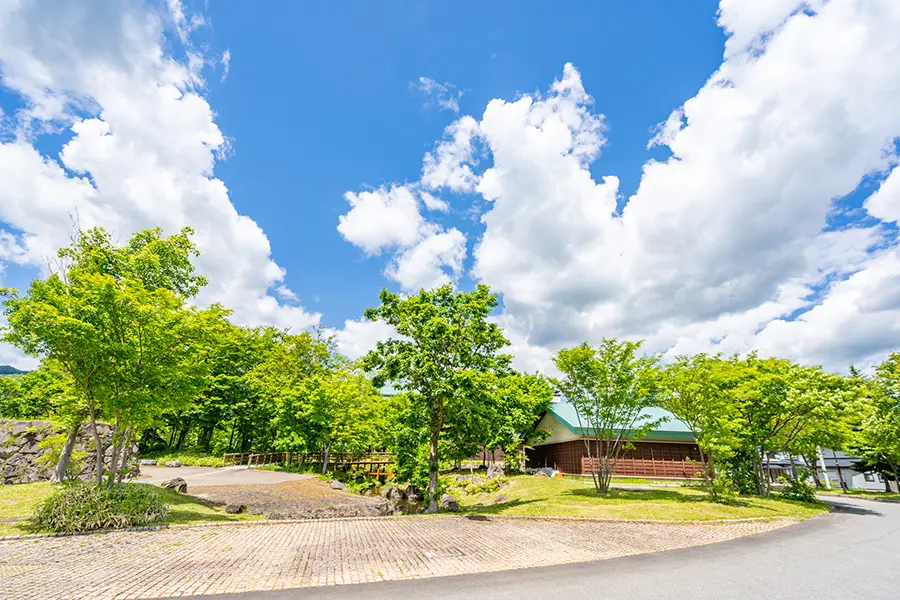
[{"x": 269, "y": 556}]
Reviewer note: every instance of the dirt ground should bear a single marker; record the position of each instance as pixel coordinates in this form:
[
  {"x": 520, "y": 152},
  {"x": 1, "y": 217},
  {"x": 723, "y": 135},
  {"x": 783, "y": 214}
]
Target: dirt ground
[{"x": 303, "y": 499}]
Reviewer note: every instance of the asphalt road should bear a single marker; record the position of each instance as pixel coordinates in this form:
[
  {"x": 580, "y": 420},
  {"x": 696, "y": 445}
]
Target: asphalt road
[{"x": 852, "y": 553}]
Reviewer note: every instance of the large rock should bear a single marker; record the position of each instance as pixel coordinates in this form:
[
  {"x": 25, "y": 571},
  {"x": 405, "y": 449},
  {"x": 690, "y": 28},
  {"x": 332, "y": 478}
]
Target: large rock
[
  {"x": 177, "y": 483},
  {"x": 449, "y": 503},
  {"x": 494, "y": 471},
  {"x": 173, "y": 463},
  {"x": 541, "y": 474},
  {"x": 231, "y": 509},
  {"x": 21, "y": 449},
  {"x": 337, "y": 485},
  {"x": 149, "y": 462}
]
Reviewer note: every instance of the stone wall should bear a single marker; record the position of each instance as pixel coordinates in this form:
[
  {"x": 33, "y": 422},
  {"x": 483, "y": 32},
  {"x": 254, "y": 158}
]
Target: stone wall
[{"x": 20, "y": 448}]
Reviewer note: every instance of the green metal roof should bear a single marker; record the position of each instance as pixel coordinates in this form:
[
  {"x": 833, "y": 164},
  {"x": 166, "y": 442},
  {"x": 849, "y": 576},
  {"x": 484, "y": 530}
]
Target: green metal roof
[{"x": 671, "y": 429}]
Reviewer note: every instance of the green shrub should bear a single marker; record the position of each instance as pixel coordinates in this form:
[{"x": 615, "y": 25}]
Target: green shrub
[
  {"x": 188, "y": 458},
  {"x": 86, "y": 507},
  {"x": 797, "y": 488}
]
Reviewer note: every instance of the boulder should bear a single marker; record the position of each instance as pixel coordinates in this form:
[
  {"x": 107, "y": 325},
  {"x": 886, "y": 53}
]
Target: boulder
[
  {"x": 477, "y": 480},
  {"x": 148, "y": 462},
  {"x": 232, "y": 509},
  {"x": 541, "y": 474},
  {"x": 449, "y": 503},
  {"x": 494, "y": 471},
  {"x": 178, "y": 484},
  {"x": 500, "y": 498},
  {"x": 173, "y": 463},
  {"x": 337, "y": 485}
]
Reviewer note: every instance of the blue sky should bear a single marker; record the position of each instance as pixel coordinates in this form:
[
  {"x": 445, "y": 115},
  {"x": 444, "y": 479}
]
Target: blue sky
[
  {"x": 341, "y": 110},
  {"x": 707, "y": 176}
]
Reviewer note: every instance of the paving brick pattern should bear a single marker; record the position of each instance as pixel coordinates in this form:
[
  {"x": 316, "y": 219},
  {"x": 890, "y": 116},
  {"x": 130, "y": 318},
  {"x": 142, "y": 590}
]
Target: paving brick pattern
[{"x": 269, "y": 556}]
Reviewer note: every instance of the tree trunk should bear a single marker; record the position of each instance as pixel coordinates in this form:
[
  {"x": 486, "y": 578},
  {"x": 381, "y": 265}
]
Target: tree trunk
[
  {"x": 703, "y": 467},
  {"x": 231, "y": 437},
  {"x": 114, "y": 463},
  {"x": 325, "y": 458},
  {"x": 62, "y": 465},
  {"x": 811, "y": 465},
  {"x": 98, "y": 459},
  {"x": 824, "y": 469},
  {"x": 840, "y": 471},
  {"x": 126, "y": 456},
  {"x": 605, "y": 471},
  {"x": 433, "y": 460},
  {"x": 182, "y": 436},
  {"x": 587, "y": 445}
]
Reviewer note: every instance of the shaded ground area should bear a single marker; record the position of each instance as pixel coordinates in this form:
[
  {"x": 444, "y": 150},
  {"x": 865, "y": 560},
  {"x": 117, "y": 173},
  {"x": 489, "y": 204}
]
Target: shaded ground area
[
  {"x": 272, "y": 556},
  {"x": 301, "y": 499},
  {"x": 217, "y": 476}
]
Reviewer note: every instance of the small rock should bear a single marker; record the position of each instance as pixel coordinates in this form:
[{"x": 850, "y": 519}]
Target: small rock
[
  {"x": 461, "y": 478},
  {"x": 500, "y": 498},
  {"x": 494, "y": 471},
  {"x": 148, "y": 462},
  {"x": 235, "y": 509},
  {"x": 449, "y": 503},
  {"x": 173, "y": 463},
  {"x": 178, "y": 484},
  {"x": 541, "y": 474},
  {"x": 477, "y": 480},
  {"x": 337, "y": 485}
]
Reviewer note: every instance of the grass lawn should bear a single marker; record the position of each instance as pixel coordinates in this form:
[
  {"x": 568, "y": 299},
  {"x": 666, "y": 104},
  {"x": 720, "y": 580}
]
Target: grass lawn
[
  {"x": 862, "y": 494},
  {"x": 540, "y": 496},
  {"x": 187, "y": 458},
  {"x": 19, "y": 501}
]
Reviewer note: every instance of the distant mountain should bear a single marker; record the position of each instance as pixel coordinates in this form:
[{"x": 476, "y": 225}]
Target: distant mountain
[{"x": 10, "y": 370}]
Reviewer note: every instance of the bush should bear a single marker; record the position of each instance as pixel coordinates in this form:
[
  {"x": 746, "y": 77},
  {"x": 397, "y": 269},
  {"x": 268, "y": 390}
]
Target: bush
[
  {"x": 188, "y": 458},
  {"x": 797, "y": 488},
  {"x": 86, "y": 507},
  {"x": 548, "y": 471}
]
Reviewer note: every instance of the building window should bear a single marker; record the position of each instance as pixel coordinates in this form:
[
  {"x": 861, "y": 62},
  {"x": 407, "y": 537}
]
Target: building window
[{"x": 869, "y": 476}]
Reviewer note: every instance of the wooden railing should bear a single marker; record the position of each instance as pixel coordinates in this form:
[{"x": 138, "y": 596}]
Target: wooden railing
[{"x": 375, "y": 464}]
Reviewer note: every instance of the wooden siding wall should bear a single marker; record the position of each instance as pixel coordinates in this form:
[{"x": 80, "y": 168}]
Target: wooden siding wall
[{"x": 646, "y": 459}]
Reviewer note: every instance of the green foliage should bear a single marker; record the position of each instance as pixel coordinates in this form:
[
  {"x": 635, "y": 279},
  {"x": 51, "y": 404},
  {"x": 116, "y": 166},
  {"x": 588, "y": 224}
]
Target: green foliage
[
  {"x": 797, "y": 488},
  {"x": 446, "y": 358},
  {"x": 188, "y": 458},
  {"x": 40, "y": 394},
  {"x": 87, "y": 507},
  {"x": 610, "y": 386},
  {"x": 488, "y": 486},
  {"x": 53, "y": 447}
]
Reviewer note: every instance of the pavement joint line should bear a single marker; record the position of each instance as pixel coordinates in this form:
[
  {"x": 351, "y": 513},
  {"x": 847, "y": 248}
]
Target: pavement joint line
[{"x": 470, "y": 517}]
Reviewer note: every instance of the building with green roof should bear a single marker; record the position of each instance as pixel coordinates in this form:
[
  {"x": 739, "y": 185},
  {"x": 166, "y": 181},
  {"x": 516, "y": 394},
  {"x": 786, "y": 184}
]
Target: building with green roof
[{"x": 669, "y": 451}]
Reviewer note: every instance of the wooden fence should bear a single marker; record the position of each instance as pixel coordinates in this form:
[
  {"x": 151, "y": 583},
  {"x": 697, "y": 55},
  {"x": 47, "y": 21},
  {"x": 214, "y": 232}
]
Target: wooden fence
[{"x": 374, "y": 464}]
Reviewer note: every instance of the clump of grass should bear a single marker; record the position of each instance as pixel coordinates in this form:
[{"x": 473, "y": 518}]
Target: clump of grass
[
  {"x": 86, "y": 507},
  {"x": 188, "y": 458}
]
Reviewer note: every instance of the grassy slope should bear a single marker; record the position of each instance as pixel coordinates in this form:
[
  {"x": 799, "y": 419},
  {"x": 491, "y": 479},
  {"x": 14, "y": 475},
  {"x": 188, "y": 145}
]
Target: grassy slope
[
  {"x": 19, "y": 501},
  {"x": 862, "y": 494},
  {"x": 539, "y": 496}
]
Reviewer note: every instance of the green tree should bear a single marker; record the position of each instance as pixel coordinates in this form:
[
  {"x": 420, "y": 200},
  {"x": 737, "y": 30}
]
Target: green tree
[
  {"x": 85, "y": 316},
  {"x": 444, "y": 359},
  {"x": 520, "y": 400},
  {"x": 610, "y": 386},
  {"x": 691, "y": 389},
  {"x": 878, "y": 436}
]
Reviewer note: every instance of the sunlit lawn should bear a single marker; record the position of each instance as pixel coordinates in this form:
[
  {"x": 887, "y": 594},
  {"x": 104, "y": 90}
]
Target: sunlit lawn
[
  {"x": 540, "y": 496},
  {"x": 19, "y": 501},
  {"x": 868, "y": 494}
]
